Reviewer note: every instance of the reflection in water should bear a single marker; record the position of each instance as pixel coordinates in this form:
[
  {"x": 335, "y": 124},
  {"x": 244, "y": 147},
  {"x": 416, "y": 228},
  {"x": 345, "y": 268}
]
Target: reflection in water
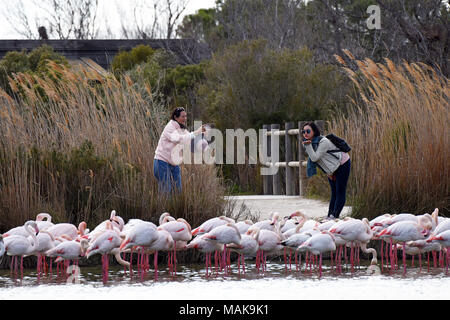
[{"x": 278, "y": 282}]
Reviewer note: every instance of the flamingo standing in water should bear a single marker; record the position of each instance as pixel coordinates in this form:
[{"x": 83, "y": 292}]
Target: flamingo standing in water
[
  {"x": 142, "y": 233},
  {"x": 403, "y": 232},
  {"x": 318, "y": 244},
  {"x": 443, "y": 239},
  {"x": 247, "y": 247},
  {"x": 180, "y": 230},
  {"x": 358, "y": 233},
  {"x": 69, "y": 250},
  {"x": 269, "y": 242},
  {"x": 207, "y": 247},
  {"x": 46, "y": 241},
  {"x": 17, "y": 245},
  {"x": 163, "y": 242},
  {"x": 225, "y": 234},
  {"x": 105, "y": 244}
]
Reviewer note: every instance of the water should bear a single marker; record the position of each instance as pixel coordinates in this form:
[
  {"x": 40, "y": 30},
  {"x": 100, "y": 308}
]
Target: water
[{"x": 275, "y": 284}]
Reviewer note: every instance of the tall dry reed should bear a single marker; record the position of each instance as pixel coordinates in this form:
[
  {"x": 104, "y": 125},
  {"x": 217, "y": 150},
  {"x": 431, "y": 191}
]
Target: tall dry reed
[
  {"x": 79, "y": 145},
  {"x": 400, "y": 137}
]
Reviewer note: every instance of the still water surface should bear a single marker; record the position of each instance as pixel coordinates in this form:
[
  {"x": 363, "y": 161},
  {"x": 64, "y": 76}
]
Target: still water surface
[{"x": 191, "y": 283}]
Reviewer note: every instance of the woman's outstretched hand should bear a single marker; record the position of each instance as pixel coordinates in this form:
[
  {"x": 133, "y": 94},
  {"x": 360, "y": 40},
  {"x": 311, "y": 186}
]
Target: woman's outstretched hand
[
  {"x": 200, "y": 130},
  {"x": 306, "y": 142}
]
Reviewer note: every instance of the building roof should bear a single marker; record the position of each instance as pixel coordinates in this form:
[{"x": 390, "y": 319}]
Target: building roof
[{"x": 102, "y": 52}]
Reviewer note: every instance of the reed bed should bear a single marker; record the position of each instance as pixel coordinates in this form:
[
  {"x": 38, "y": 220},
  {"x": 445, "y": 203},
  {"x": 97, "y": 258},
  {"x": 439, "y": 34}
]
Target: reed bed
[
  {"x": 79, "y": 145},
  {"x": 399, "y": 132}
]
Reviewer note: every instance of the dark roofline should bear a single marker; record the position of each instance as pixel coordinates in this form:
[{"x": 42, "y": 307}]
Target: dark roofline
[{"x": 188, "y": 51}]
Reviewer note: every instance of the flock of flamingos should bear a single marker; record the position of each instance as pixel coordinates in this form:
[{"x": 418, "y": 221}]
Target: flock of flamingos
[{"x": 278, "y": 236}]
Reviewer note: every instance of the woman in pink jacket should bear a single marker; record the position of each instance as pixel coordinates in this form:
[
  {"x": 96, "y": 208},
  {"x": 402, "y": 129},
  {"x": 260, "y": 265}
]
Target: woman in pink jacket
[{"x": 165, "y": 164}]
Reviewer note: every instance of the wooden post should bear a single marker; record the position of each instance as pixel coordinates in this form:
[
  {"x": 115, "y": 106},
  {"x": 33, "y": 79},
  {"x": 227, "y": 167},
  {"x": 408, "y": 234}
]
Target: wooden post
[
  {"x": 267, "y": 180},
  {"x": 275, "y": 150},
  {"x": 302, "y": 183},
  {"x": 290, "y": 180}
]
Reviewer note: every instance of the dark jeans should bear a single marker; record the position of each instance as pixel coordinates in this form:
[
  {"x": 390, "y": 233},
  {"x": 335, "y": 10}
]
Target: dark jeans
[
  {"x": 168, "y": 176},
  {"x": 338, "y": 189}
]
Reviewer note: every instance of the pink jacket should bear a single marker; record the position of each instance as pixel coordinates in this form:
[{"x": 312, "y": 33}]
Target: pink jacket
[{"x": 171, "y": 136}]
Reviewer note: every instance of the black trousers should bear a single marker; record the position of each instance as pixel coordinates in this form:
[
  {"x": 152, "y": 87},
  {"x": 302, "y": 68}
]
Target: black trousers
[{"x": 338, "y": 189}]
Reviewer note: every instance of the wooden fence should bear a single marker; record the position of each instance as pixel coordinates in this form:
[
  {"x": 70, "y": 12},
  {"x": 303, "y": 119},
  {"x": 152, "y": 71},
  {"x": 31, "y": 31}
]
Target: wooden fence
[{"x": 294, "y": 164}]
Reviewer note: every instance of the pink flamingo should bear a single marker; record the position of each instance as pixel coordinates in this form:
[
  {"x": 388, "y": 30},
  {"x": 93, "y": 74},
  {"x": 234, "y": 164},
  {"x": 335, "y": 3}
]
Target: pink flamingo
[
  {"x": 243, "y": 226},
  {"x": 164, "y": 242},
  {"x": 269, "y": 243},
  {"x": 68, "y": 250},
  {"x": 17, "y": 245},
  {"x": 443, "y": 239},
  {"x": 403, "y": 232},
  {"x": 46, "y": 241},
  {"x": 107, "y": 243},
  {"x": 21, "y": 230},
  {"x": 248, "y": 246},
  {"x": 268, "y": 224},
  {"x": 358, "y": 233},
  {"x": 44, "y": 224},
  {"x": 67, "y": 229},
  {"x": 210, "y": 224},
  {"x": 207, "y": 247},
  {"x": 225, "y": 234},
  {"x": 180, "y": 230},
  {"x": 318, "y": 244}
]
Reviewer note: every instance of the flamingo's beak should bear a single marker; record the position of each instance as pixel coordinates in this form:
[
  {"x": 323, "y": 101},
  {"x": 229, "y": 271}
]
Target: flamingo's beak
[{"x": 124, "y": 243}]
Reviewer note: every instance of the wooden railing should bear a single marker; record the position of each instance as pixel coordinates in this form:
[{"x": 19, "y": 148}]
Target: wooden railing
[{"x": 294, "y": 157}]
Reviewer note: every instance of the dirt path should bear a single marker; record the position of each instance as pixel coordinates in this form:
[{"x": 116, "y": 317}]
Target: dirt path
[{"x": 263, "y": 206}]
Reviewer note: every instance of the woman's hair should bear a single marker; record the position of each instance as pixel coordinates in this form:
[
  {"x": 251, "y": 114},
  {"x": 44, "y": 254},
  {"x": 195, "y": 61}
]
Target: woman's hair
[
  {"x": 313, "y": 126},
  {"x": 176, "y": 113}
]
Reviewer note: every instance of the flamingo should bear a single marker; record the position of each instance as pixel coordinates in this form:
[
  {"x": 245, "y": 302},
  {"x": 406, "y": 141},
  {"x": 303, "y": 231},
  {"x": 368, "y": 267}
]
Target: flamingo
[
  {"x": 268, "y": 224},
  {"x": 425, "y": 247},
  {"x": 210, "y": 224},
  {"x": 443, "y": 239},
  {"x": 116, "y": 221},
  {"x": 356, "y": 233},
  {"x": 248, "y": 246},
  {"x": 163, "y": 242},
  {"x": 318, "y": 244},
  {"x": 17, "y": 245},
  {"x": 60, "y": 229},
  {"x": 225, "y": 234},
  {"x": 205, "y": 246},
  {"x": 68, "y": 250},
  {"x": 21, "y": 230},
  {"x": 295, "y": 240},
  {"x": 142, "y": 233},
  {"x": 243, "y": 226},
  {"x": 107, "y": 243},
  {"x": 180, "y": 230},
  {"x": 441, "y": 227},
  {"x": 46, "y": 241},
  {"x": 293, "y": 220},
  {"x": 44, "y": 224},
  {"x": 404, "y": 231},
  {"x": 269, "y": 242}
]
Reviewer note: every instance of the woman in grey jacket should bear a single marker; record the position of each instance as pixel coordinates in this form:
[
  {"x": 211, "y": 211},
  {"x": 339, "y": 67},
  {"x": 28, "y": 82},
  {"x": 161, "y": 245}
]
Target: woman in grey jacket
[{"x": 336, "y": 164}]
